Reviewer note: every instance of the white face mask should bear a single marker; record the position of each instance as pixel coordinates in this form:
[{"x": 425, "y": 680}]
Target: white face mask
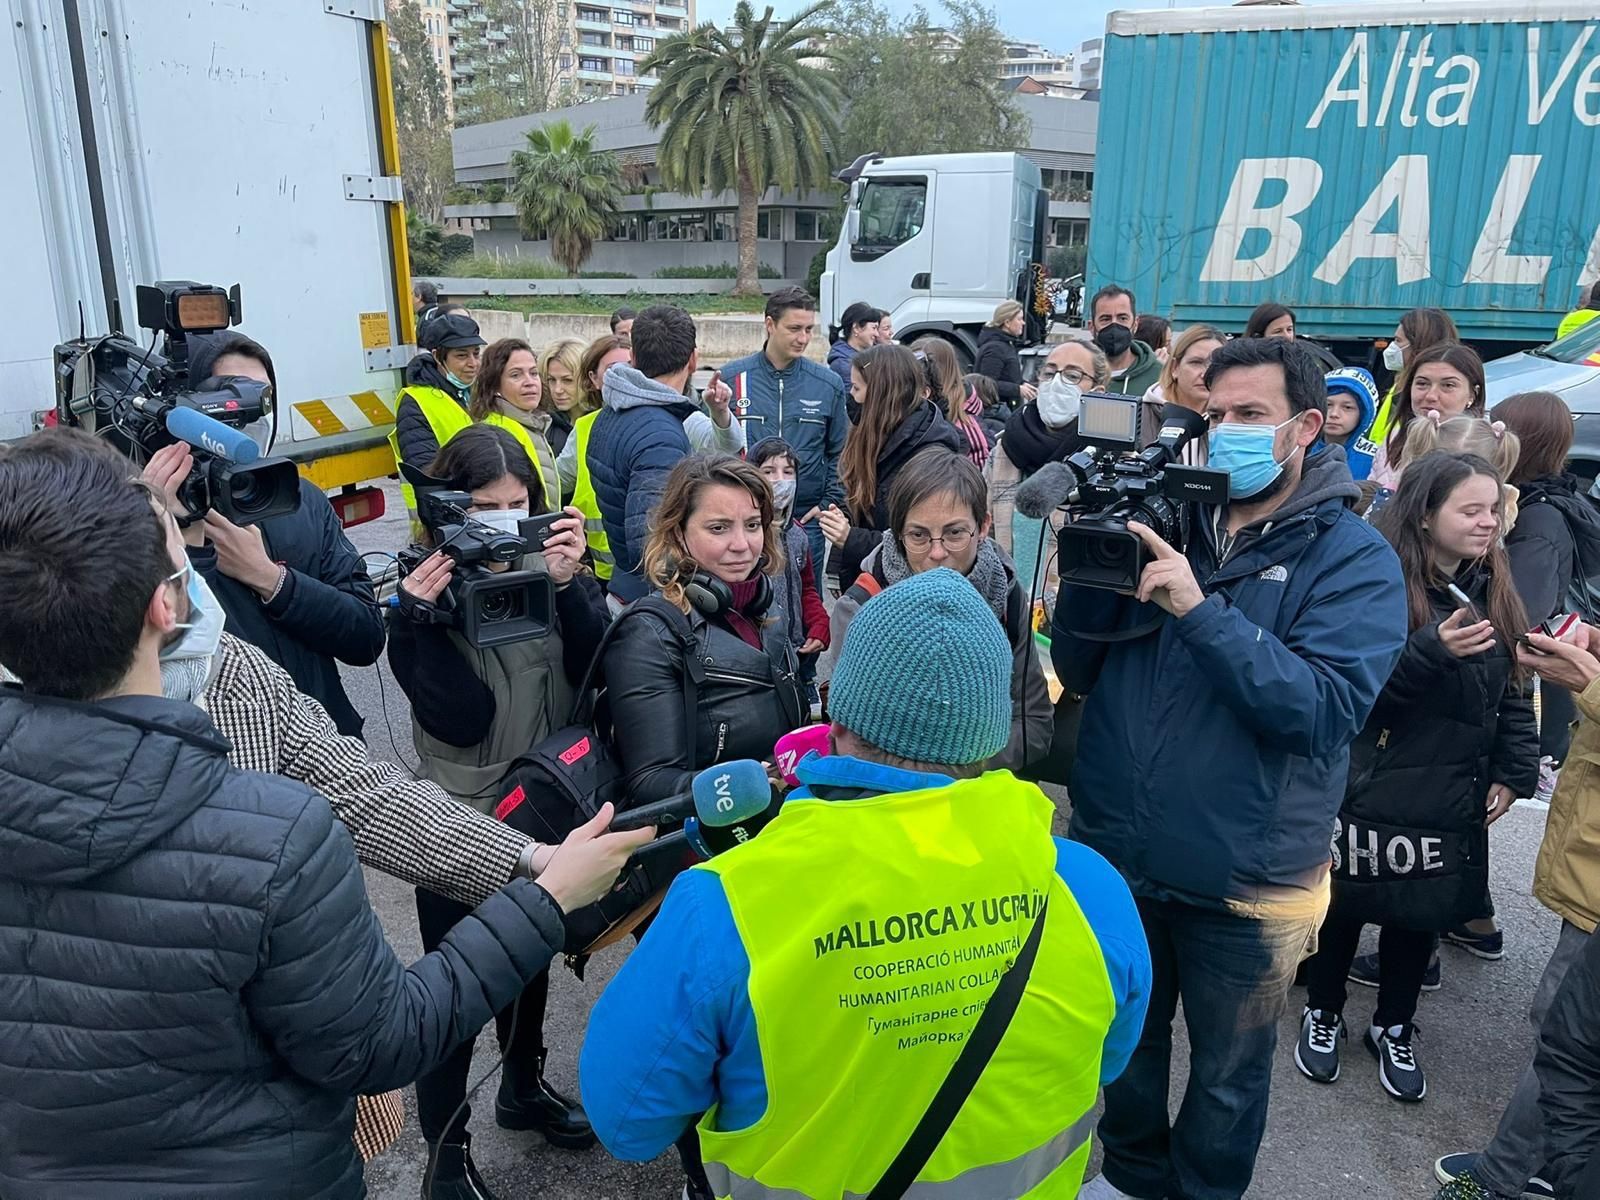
[
  {"x": 505, "y": 520},
  {"x": 1059, "y": 402},
  {"x": 189, "y": 663},
  {"x": 1394, "y": 356},
  {"x": 782, "y": 493}
]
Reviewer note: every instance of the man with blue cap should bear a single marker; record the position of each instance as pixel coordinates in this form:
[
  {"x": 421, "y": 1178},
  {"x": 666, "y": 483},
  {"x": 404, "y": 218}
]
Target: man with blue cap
[{"x": 905, "y": 979}]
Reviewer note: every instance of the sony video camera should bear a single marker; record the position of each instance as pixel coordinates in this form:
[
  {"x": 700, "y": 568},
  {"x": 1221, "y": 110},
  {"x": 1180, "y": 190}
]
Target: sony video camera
[
  {"x": 488, "y": 608},
  {"x": 142, "y": 400},
  {"x": 1117, "y": 482}
]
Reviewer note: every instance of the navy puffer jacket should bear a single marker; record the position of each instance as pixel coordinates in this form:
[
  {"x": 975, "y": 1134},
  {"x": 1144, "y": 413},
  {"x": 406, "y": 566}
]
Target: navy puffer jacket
[{"x": 193, "y": 984}]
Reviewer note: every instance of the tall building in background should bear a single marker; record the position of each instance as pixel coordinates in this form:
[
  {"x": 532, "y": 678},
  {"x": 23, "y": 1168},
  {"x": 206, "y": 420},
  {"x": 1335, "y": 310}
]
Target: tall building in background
[
  {"x": 436, "y": 24},
  {"x": 1088, "y": 60}
]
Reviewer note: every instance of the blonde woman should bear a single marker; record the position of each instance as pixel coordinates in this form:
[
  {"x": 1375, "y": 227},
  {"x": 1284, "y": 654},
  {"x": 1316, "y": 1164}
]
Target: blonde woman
[
  {"x": 998, "y": 357},
  {"x": 560, "y": 368}
]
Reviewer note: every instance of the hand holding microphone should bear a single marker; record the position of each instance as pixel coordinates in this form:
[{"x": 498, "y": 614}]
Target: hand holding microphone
[{"x": 586, "y": 865}]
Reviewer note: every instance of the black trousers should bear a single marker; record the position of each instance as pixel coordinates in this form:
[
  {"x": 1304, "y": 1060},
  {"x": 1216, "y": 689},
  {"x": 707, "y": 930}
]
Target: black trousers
[
  {"x": 439, "y": 1093},
  {"x": 1403, "y": 956},
  {"x": 1557, "y": 711}
]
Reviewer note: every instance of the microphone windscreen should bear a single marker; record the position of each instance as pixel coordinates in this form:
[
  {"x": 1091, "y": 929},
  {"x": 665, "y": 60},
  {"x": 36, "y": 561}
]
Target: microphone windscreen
[
  {"x": 794, "y": 746},
  {"x": 731, "y": 792},
  {"x": 212, "y": 436},
  {"x": 1045, "y": 490}
]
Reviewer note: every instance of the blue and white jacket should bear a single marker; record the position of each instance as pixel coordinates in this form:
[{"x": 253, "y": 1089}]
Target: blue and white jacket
[{"x": 804, "y": 405}]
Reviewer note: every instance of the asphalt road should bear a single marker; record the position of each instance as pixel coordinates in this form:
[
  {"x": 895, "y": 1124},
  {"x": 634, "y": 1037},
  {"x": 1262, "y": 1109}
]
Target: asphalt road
[{"x": 1322, "y": 1143}]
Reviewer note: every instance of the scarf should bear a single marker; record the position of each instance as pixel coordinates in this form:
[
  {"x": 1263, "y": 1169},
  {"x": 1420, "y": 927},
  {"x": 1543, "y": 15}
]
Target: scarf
[
  {"x": 744, "y": 593},
  {"x": 1030, "y": 443},
  {"x": 535, "y": 421},
  {"x": 967, "y": 422},
  {"x": 989, "y": 574}
]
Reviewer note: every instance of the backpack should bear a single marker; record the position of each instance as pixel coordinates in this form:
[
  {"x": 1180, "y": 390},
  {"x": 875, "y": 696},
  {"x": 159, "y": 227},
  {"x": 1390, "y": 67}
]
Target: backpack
[
  {"x": 563, "y": 780},
  {"x": 1583, "y": 522}
]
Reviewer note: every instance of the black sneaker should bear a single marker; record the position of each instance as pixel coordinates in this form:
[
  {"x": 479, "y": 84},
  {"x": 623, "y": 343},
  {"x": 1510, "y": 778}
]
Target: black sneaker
[
  {"x": 1398, "y": 1070},
  {"x": 1364, "y": 970},
  {"x": 452, "y": 1175},
  {"x": 1316, "y": 1052},
  {"x": 1490, "y": 946},
  {"x": 1454, "y": 1172}
]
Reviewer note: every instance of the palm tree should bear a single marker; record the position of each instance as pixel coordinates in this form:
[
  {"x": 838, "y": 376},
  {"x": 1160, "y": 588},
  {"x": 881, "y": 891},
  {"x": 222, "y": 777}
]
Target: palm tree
[
  {"x": 565, "y": 190},
  {"x": 742, "y": 110}
]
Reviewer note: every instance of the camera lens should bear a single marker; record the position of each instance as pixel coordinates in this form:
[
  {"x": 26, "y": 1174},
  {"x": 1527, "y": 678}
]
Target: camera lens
[{"x": 500, "y": 606}]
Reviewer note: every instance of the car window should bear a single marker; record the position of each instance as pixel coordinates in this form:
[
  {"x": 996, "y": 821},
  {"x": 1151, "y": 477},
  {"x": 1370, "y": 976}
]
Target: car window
[{"x": 1581, "y": 345}]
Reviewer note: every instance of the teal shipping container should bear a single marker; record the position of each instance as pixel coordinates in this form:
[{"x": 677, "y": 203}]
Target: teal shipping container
[{"x": 1353, "y": 162}]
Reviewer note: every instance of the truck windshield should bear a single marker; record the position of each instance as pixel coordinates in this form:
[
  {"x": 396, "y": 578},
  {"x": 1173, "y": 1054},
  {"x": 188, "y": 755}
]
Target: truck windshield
[
  {"x": 1582, "y": 345},
  {"x": 892, "y": 212}
]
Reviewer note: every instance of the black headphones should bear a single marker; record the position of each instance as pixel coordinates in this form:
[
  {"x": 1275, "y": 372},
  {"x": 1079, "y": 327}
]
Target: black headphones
[{"x": 712, "y": 597}]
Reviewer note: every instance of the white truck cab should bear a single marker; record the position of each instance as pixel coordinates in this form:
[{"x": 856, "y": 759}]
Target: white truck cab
[{"x": 938, "y": 241}]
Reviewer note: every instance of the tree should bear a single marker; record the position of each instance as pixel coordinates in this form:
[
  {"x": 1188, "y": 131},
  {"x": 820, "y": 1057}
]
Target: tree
[
  {"x": 426, "y": 169},
  {"x": 565, "y": 190},
  {"x": 920, "y": 88},
  {"x": 424, "y": 244},
  {"x": 515, "y": 52},
  {"x": 743, "y": 110}
]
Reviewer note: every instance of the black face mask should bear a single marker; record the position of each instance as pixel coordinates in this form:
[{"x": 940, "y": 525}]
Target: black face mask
[
  {"x": 1114, "y": 340},
  {"x": 852, "y": 409}
]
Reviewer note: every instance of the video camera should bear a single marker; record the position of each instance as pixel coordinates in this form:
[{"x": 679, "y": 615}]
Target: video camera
[
  {"x": 488, "y": 608},
  {"x": 1115, "y": 485},
  {"x": 143, "y": 401}
]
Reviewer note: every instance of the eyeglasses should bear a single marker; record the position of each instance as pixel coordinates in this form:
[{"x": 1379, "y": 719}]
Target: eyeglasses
[
  {"x": 1070, "y": 374},
  {"x": 954, "y": 540}
]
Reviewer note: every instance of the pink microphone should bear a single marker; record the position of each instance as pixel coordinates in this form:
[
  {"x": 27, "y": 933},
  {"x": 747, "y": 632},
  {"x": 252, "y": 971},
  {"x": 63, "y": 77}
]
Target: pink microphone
[{"x": 792, "y": 747}]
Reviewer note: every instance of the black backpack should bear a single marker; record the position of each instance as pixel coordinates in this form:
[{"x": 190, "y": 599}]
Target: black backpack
[
  {"x": 1583, "y": 522},
  {"x": 562, "y": 782}
]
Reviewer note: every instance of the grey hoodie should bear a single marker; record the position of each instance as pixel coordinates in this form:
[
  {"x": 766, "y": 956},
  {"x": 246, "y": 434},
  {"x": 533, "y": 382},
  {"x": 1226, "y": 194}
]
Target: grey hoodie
[{"x": 625, "y": 387}]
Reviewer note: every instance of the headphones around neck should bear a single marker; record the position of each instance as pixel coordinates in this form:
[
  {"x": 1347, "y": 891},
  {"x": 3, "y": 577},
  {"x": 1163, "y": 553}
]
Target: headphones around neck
[{"x": 712, "y": 597}]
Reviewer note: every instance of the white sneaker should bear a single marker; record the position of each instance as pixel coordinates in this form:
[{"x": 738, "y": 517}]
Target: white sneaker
[{"x": 1099, "y": 1188}]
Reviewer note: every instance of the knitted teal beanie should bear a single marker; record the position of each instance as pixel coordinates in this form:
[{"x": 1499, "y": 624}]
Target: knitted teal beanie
[{"x": 925, "y": 672}]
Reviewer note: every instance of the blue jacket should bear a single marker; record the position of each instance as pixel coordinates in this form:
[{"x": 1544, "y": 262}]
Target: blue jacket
[
  {"x": 804, "y": 405},
  {"x": 1359, "y": 449},
  {"x": 1213, "y": 751},
  {"x": 673, "y": 1034},
  {"x": 636, "y": 441},
  {"x": 193, "y": 984},
  {"x": 840, "y": 355}
]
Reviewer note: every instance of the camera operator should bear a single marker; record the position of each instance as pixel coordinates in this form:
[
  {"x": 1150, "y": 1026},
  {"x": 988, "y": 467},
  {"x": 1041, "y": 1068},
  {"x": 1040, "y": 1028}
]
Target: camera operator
[
  {"x": 292, "y": 584},
  {"x": 474, "y": 709},
  {"x": 1213, "y": 752},
  {"x": 216, "y": 915}
]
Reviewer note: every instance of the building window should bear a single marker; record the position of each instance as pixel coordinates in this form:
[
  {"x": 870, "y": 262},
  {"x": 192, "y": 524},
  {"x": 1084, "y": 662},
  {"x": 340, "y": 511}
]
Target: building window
[
  {"x": 724, "y": 225},
  {"x": 1069, "y": 232},
  {"x": 622, "y": 16},
  {"x": 892, "y": 213},
  {"x": 594, "y": 14},
  {"x": 591, "y": 39},
  {"x": 593, "y": 64},
  {"x": 814, "y": 225},
  {"x": 769, "y": 225},
  {"x": 566, "y": 62},
  {"x": 623, "y": 66},
  {"x": 677, "y": 227}
]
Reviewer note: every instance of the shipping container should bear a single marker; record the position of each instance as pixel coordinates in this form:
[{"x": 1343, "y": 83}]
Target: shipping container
[{"x": 1353, "y": 162}]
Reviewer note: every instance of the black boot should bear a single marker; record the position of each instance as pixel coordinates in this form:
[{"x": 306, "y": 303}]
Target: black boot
[
  {"x": 524, "y": 1103},
  {"x": 452, "y": 1175}
]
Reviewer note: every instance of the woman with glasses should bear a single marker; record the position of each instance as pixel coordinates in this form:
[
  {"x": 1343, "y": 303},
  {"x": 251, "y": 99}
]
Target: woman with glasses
[
  {"x": 1444, "y": 381},
  {"x": 939, "y": 517}
]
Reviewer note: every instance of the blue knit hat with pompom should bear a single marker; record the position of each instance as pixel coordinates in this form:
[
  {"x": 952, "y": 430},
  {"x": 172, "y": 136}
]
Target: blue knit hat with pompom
[{"x": 925, "y": 672}]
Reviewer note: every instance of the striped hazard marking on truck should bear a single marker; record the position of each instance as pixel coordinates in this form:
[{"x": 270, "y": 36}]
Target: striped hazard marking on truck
[{"x": 339, "y": 414}]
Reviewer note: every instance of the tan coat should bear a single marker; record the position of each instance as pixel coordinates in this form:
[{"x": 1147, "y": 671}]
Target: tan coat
[{"x": 1566, "y": 879}]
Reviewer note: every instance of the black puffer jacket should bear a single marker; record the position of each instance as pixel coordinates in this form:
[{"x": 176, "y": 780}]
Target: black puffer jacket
[
  {"x": 1568, "y": 1067},
  {"x": 417, "y": 442},
  {"x": 193, "y": 984},
  {"x": 746, "y": 700},
  {"x": 1543, "y": 545},
  {"x": 1411, "y": 847},
  {"x": 926, "y": 426},
  {"x": 999, "y": 360}
]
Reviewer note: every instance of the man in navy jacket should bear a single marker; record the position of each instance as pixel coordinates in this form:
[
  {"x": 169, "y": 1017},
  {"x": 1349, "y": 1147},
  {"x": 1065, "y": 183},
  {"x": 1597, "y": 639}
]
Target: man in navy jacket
[{"x": 1213, "y": 755}]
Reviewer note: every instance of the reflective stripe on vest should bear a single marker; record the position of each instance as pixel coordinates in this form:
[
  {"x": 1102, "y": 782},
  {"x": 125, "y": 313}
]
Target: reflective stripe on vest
[
  {"x": 544, "y": 463},
  {"x": 862, "y": 1001},
  {"x": 444, "y": 416},
  {"x": 584, "y": 499},
  {"x": 996, "y": 1181}
]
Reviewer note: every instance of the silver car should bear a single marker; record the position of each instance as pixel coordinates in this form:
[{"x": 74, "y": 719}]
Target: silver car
[{"x": 1571, "y": 369}]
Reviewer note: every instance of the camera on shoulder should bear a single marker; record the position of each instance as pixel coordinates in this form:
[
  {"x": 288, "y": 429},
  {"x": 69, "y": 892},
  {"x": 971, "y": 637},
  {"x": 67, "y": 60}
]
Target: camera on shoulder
[
  {"x": 1117, "y": 482},
  {"x": 487, "y": 607}
]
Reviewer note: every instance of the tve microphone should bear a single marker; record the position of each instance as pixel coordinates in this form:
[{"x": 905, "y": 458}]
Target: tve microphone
[
  {"x": 794, "y": 746},
  {"x": 733, "y": 809},
  {"x": 1046, "y": 490},
  {"x": 212, "y": 436},
  {"x": 675, "y": 809}
]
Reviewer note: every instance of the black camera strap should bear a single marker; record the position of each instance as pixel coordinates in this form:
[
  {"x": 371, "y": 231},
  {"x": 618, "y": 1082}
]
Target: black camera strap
[{"x": 969, "y": 1066}]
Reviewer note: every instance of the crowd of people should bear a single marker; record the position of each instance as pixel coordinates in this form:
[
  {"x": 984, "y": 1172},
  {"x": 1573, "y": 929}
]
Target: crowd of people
[{"x": 1377, "y": 644}]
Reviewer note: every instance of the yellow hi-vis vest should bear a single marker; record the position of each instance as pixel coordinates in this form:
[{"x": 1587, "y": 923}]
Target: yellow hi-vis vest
[
  {"x": 445, "y": 417},
  {"x": 1575, "y": 320},
  {"x": 865, "y": 987},
  {"x": 538, "y": 451},
  {"x": 584, "y": 499}
]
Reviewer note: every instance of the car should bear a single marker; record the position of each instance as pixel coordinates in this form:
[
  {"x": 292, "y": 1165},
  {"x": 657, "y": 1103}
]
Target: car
[{"x": 1569, "y": 367}]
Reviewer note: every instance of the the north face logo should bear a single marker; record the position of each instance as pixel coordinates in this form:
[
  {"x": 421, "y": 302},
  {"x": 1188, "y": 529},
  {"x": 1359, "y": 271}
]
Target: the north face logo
[{"x": 1276, "y": 574}]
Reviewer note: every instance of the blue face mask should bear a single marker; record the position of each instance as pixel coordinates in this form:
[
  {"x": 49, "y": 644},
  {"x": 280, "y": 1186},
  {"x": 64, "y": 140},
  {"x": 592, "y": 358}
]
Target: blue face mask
[{"x": 1245, "y": 453}]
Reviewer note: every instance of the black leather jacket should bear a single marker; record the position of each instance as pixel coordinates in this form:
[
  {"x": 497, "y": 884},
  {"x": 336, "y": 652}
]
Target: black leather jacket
[{"x": 745, "y": 702}]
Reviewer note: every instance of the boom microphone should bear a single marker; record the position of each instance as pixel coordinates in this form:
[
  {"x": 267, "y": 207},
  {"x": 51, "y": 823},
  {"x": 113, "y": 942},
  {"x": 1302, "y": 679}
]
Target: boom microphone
[
  {"x": 1046, "y": 490},
  {"x": 794, "y": 746},
  {"x": 212, "y": 436}
]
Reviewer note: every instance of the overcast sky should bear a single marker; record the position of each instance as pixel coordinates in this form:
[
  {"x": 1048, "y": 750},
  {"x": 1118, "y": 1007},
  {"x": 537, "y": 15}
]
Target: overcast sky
[{"x": 1061, "y": 25}]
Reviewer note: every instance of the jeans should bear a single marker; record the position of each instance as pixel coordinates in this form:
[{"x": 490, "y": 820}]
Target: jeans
[
  {"x": 1403, "y": 957},
  {"x": 1516, "y": 1154},
  {"x": 1232, "y": 974},
  {"x": 442, "y": 1090}
]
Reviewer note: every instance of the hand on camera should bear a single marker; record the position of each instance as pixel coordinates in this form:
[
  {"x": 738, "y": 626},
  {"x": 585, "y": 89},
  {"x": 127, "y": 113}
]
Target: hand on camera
[
  {"x": 563, "y": 551},
  {"x": 165, "y": 472},
  {"x": 1168, "y": 578},
  {"x": 835, "y": 525},
  {"x": 429, "y": 580},
  {"x": 1461, "y": 639},
  {"x": 585, "y": 866},
  {"x": 242, "y": 554}
]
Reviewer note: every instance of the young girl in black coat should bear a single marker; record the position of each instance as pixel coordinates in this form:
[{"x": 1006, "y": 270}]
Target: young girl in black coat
[{"x": 1448, "y": 745}]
